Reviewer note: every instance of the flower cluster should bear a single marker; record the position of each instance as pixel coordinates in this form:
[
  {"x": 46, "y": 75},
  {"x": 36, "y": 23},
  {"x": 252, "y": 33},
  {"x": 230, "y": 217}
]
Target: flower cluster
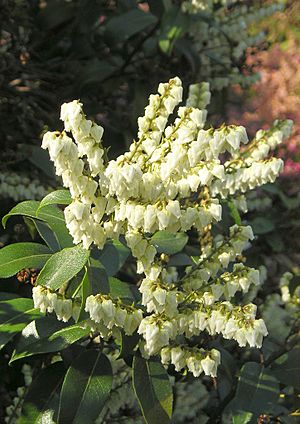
[
  {"x": 172, "y": 178},
  {"x": 196, "y": 360},
  {"x": 102, "y": 309},
  {"x": 49, "y": 301}
]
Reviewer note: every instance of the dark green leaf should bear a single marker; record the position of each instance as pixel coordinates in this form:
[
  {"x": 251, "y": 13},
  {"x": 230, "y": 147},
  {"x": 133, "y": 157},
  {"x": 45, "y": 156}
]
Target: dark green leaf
[
  {"x": 17, "y": 256},
  {"x": 257, "y": 391},
  {"x": 47, "y": 335},
  {"x": 170, "y": 243},
  {"x": 15, "y": 314},
  {"x": 113, "y": 256},
  {"x": 58, "y": 197},
  {"x": 62, "y": 266},
  {"x": 180, "y": 259},
  {"x": 42, "y": 399},
  {"x": 128, "y": 343},
  {"x": 261, "y": 225},
  {"x": 85, "y": 389},
  {"x": 287, "y": 368},
  {"x": 153, "y": 390},
  {"x": 124, "y": 26},
  {"x": 47, "y": 235},
  {"x": 118, "y": 288}
]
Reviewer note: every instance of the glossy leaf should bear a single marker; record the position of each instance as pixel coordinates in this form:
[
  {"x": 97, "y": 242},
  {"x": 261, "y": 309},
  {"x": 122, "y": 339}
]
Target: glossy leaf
[
  {"x": 153, "y": 390},
  {"x": 46, "y": 335},
  {"x": 42, "y": 399},
  {"x": 50, "y": 214},
  {"x": 58, "y": 197},
  {"x": 85, "y": 389},
  {"x": 62, "y": 266},
  {"x": 17, "y": 256},
  {"x": 15, "y": 314},
  {"x": 170, "y": 243}
]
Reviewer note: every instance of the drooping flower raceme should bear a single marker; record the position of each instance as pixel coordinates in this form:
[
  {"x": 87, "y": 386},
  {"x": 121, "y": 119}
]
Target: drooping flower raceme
[{"x": 173, "y": 178}]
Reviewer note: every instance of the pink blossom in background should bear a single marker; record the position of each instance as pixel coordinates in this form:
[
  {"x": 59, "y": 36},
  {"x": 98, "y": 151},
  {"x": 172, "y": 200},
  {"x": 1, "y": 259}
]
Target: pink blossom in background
[{"x": 276, "y": 95}]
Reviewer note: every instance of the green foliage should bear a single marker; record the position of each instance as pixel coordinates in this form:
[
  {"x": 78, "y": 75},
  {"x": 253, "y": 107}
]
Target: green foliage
[
  {"x": 15, "y": 314},
  {"x": 62, "y": 267},
  {"x": 85, "y": 389},
  {"x": 17, "y": 256},
  {"x": 153, "y": 390}
]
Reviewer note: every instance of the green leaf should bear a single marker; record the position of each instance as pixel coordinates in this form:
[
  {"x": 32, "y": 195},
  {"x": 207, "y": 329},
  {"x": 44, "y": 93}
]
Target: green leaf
[
  {"x": 85, "y": 389},
  {"x": 128, "y": 343},
  {"x": 62, "y": 266},
  {"x": 113, "y": 256},
  {"x": 47, "y": 235},
  {"x": 287, "y": 368},
  {"x": 47, "y": 335},
  {"x": 257, "y": 390},
  {"x": 15, "y": 314},
  {"x": 170, "y": 243},
  {"x": 153, "y": 390},
  {"x": 242, "y": 418},
  {"x": 17, "y": 256},
  {"x": 50, "y": 214},
  {"x": 42, "y": 399},
  {"x": 58, "y": 197},
  {"x": 124, "y": 26},
  {"x": 261, "y": 225},
  {"x": 180, "y": 259},
  {"x": 123, "y": 290}
]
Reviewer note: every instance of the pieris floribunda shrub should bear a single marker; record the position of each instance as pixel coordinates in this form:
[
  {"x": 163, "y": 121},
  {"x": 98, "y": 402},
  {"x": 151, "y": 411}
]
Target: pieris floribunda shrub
[{"x": 153, "y": 215}]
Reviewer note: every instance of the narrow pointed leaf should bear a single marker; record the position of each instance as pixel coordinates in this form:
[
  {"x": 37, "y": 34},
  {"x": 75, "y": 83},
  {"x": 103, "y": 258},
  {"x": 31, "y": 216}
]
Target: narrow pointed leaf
[
  {"x": 153, "y": 390},
  {"x": 42, "y": 399},
  {"x": 85, "y": 389},
  {"x": 17, "y": 256},
  {"x": 62, "y": 266},
  {"x": 15, "y": 314}
]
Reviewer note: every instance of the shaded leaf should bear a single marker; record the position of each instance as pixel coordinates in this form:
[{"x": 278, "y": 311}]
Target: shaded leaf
[
  {"x": 85, "y": 389},
  {"x": 42, "y": 399},
  {"x": 153, "y": 390},
  {"x": 124, "y": 26},
  {"x": 256, "y": 392},
  {"x": 113, "y": 256},
  {"x": 47, "y": 335},
  {"x": 47, "y": 235},
  {"x": 287, "y": 368},
  {"x": 62, "y": 266},
  {"x": 15, "y": 314},
  {"x": 170, "y": 243},
  {"x": 118, "y": 288},
  {"x": 17, "y": 256}
]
